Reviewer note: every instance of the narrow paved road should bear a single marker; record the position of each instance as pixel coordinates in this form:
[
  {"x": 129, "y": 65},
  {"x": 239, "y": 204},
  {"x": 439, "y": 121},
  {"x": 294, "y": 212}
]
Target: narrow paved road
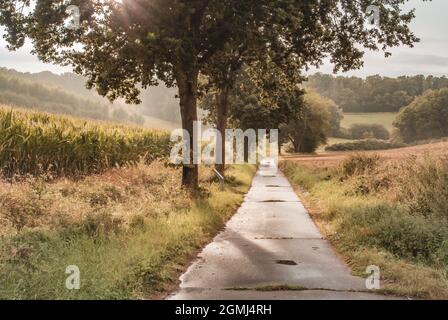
[{"x": 270, "y": 241}]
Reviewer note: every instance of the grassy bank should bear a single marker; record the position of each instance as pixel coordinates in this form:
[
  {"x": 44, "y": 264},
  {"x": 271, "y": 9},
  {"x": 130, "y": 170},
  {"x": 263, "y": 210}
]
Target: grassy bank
[
  {"x": 35, "y": 143},
  {"x": 389, "y": 214},
  {"x": 131, "y": 231}
]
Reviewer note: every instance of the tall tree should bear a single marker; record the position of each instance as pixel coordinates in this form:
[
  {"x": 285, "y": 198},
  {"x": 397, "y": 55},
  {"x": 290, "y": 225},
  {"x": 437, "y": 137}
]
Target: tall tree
[
  {"x": 307, "y": 129},
  {"x": 248, "y": 73},
  {"x": 425, "y": 118},
  {"x": 123, "y": 45},
  {"x": 256, "y": 104},
  {"x": 306, "y": 47}
]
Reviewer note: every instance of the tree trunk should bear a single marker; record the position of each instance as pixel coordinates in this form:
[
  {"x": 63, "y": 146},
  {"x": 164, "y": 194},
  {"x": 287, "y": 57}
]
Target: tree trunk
[
  {"x": 221, "y": 124},
  {"x": 187, "y": 85},
  {"x": 279, "y": 146},
  {"x": 296, "y": 147},
  {"x": 295, "y": 144}
]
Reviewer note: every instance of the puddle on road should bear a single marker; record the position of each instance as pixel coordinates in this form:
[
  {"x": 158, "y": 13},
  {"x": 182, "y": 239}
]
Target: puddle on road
[
  {"x": 286, "y": 262},
  {"x": 273, "y": 238}
]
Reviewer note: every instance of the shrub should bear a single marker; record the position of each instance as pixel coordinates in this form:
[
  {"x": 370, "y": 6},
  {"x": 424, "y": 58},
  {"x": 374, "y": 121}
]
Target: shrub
[
  {"x": 22, "y": 209},
  {"x": 365, "y": 131},
  {"x": 423, "y": 188},
  {"x": 393, "y": 215},
  {"x": 364, "y": 145},
  {"x": 409, "y": 237},
  {"x": 343, "y": 133},
  {"x": 359, "y": 164},
  {"x": 388, "y": 227},
  {"x": 336, "y": 116},
  {"x": 102, "y": 223}
]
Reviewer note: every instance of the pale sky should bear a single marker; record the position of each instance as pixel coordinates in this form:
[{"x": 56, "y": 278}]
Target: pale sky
[{"x": 430, "y": 56}]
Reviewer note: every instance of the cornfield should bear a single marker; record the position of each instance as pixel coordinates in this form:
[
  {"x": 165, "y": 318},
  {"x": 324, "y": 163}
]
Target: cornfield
[{"x": 36, "y": 143}]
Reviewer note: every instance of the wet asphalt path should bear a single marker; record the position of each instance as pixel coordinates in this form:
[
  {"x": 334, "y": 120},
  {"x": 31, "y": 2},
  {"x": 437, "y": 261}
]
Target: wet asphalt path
[{"x": 270, "y": 241}]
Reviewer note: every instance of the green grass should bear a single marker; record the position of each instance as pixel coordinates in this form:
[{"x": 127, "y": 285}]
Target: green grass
[
  {"x": 130, "y": 231},
  {"x": 384, "y": 118},
  {"x": 386, "y": 215}
]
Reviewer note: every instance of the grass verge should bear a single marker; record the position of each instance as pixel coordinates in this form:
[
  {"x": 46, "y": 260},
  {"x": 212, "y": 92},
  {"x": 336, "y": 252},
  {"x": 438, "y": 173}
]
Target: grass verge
[
  {"x": 130, "y": 231},
  {"x": 386, "y": 214}
]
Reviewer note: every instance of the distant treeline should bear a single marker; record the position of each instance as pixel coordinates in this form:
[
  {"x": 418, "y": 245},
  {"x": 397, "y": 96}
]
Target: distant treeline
[
  {"x": 374, "y": 93},
  {"x": 40, "y": 95}
]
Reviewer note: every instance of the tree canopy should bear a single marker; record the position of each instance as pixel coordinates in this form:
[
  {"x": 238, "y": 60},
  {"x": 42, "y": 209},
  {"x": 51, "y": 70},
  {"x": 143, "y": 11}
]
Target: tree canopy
[
  {"x": 308, "y": 129},
  {"x": 425, "y": 118}
]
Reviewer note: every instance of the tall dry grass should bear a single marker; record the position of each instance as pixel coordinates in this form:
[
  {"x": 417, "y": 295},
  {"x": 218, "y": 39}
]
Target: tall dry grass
[
  {"x": 390, "y": 214},
  {"x": 130, "y": 230}
]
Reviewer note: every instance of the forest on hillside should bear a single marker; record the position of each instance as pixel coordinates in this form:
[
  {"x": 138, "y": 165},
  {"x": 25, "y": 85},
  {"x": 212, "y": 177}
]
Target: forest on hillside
[
  {"x": 24, "y": 92},
  {"x": 158, "y": 102}
]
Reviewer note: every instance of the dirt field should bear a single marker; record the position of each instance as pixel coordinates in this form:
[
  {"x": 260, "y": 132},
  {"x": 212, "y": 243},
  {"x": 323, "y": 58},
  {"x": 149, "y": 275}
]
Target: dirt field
[{"x": 333, "y": 158}]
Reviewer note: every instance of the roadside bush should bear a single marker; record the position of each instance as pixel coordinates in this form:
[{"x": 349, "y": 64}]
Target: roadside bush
[
  {"x": 359, "y": 164},
  {"x": 102, "y": 223},
  {"x": 423, "y": 188},
  {"x": 366, "y": 131},
  {"x": 22, "y": 208},
  {"x": 409, "y": 237},
  {"x": 392, "y": 228},
  {"x": 390, "y": 214},
  {"x": 364, "y": 145}
]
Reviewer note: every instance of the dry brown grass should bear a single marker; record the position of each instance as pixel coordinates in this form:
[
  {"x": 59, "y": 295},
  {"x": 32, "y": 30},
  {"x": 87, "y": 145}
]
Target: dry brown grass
[
  {"x": 131, "y": 230},
  {"x": 392, "y": 214},
  {"x": 124, "y": 192},
  {"x": 326, "y": 159}
]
